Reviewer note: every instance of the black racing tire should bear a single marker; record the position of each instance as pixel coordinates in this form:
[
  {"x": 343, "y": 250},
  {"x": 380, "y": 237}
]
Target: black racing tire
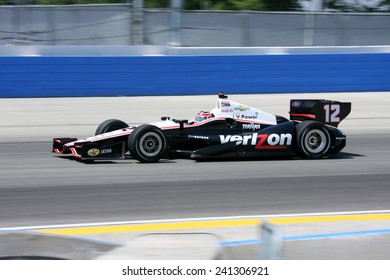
[
  {"x": 147, "y": 143},
  {"x": 313, "y": 140},
  {"x": 110, "y": 125}
]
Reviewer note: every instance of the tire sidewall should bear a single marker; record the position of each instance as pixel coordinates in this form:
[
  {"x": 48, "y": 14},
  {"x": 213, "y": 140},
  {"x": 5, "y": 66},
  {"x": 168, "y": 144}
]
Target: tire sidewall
[
  {"x": 110, "y": 125},
  {"x": 146, "y": 133},
  {"x": 304, "y": 131}
]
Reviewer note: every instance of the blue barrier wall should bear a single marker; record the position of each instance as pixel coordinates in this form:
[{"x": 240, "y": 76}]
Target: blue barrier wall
[{"x": 46, "y": 76}]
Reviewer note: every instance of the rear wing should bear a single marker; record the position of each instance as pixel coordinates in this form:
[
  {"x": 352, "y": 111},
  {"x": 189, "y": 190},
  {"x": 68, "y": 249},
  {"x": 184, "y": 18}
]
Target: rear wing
[{"x": 325, "y": 111}]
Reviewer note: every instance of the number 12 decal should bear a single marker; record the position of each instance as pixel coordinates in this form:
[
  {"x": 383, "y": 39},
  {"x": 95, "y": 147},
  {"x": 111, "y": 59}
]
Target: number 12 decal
[{"x": 332, "y": 112}]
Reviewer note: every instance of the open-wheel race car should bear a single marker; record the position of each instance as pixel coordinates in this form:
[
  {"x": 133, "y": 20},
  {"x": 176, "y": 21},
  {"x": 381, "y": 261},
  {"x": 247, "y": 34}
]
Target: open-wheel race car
[{"x": 230, "y": 130}]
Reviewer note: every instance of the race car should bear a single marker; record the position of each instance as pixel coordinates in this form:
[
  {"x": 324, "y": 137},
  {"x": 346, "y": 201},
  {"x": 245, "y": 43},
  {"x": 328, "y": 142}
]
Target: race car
[{"x": 230, "y": 130}]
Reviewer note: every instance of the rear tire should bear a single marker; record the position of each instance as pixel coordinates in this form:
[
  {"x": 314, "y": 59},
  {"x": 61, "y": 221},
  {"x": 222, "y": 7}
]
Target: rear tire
[
  {"x": 313, "y": 140},
  {"x": 110, "y": 125},
  {"x": 147, "y": 143}
]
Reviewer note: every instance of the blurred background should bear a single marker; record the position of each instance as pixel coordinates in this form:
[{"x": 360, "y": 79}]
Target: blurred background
[{"x": 195, "y": 23}]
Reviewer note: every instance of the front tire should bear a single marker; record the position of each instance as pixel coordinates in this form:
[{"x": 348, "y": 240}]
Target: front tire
[
  {"x": 147, "y": 143},
  {"x": 313, "y": 140},
  {"x": 110, "y": 125}
]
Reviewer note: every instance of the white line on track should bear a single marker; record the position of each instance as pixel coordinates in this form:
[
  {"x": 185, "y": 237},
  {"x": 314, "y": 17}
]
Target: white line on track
[{"x": 193, "y": 220}]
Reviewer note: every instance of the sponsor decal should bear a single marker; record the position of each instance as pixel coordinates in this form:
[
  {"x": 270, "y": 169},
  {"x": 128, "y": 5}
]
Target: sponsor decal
[
  {"x": 238, "y": 116},
  {"x": 198, "y": 137},
  {"x": 227, "y": 110},
  {"x": 260, "y": 141},
  {"x": 296, "y": 104},
  {"x": 225, "y": 103},
  {"x": 241, "y": 108},
  {"x": 106, "y": 151},
  {"x": 252, "y": 126},
  {"x": 93, "y": 152}
]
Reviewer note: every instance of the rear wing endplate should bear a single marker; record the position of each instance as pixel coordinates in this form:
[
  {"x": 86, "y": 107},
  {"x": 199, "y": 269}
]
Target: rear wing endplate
[{"x": 325, "y": 111}]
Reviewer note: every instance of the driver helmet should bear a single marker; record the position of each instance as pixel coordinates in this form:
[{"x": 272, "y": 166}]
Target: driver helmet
[{"x": 202, "y": 115}]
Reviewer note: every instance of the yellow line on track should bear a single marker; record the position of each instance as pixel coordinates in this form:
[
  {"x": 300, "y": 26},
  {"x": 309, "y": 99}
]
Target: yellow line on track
[
  {"x": 211, "y": 224},
  {"x": 320, "y": 219},
  {"x": 151, "y": 227}
]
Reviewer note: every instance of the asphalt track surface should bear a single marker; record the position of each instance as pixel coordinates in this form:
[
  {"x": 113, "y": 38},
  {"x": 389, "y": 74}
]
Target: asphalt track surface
[{"x": 40, "y": 188}]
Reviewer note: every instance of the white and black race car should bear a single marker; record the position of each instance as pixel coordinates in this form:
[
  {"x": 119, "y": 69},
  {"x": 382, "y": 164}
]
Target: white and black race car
[{"x": 230, "y": 130}]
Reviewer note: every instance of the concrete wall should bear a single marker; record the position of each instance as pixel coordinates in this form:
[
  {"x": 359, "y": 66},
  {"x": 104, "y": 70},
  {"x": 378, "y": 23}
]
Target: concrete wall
[{"x": 44, "y": 76}]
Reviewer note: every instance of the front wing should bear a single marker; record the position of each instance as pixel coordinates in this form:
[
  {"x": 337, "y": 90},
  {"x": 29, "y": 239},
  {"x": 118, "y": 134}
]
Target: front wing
[{"x": 100, "y": 150}]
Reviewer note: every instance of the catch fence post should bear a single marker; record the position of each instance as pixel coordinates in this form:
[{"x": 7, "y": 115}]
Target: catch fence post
[{"x": 176, "y": 10}]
